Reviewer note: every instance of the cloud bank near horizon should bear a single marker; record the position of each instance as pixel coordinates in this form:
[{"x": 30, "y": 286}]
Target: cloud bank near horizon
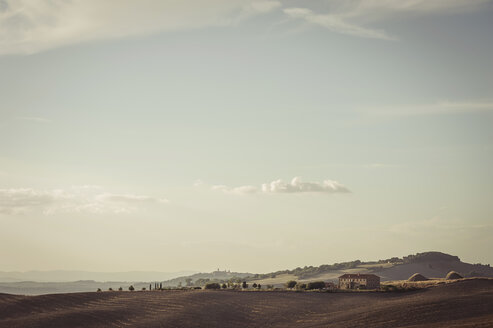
[
  {"x": 80, "y": 199},
  {"x": 296, "y": 185}
]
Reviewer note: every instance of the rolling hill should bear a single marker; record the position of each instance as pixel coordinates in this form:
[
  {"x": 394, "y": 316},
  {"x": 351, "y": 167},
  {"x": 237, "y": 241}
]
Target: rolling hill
[
  {"x": 465, "y": 303},
  {"x": 430, "y": 264}
]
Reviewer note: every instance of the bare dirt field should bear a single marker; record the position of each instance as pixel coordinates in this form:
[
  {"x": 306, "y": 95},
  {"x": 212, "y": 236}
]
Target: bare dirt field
[{"x": 466, "y": 303}]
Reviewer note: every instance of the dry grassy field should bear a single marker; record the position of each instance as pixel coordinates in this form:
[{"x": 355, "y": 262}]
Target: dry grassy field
[{"x": 466, "y": 303}]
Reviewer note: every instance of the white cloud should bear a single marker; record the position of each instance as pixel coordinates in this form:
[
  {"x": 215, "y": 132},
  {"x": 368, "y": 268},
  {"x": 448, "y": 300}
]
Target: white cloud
[
  {"x": 31, "y": 26},
  {"x": 88, "y": 199},
  {"x": 298, "y": 186},
  {"x": 129, "y": 198},
  {"x": 14, "y": 201},
  {"x": 350, "y": 17},
  {"x": 236, "y": 190},
  {"x": 295, "y": 186}
]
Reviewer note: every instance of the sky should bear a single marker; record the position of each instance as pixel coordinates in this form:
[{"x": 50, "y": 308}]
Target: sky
[{"x": 243, "y": 135}]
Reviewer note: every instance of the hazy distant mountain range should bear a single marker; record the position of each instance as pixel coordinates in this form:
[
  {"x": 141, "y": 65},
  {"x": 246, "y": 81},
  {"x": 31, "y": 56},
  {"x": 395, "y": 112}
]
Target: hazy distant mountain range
[{"x": 70, "y": 276}]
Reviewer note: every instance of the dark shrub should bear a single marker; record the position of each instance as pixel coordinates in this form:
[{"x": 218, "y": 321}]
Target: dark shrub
[
  {"x": 393, "y": 288},
  {"x": 99, "y": 289},
  {"x": 224, "y": 286},
  {"x": 244, "y": 285},
  {"x": 212, "y": 285},
  {"x": 387, "y": 288},
  {"x": 290, "y": 284},
  {"x": 120, "y": 289},
  {"x": 315, "y": 285},
  {"x": 131, "y": 288}
]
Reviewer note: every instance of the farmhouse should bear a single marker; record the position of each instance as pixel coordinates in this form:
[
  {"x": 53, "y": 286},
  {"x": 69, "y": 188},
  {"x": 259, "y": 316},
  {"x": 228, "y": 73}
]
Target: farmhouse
[
  {"x": 359, "y": 281},
  {"x": 330, "y": 286}
]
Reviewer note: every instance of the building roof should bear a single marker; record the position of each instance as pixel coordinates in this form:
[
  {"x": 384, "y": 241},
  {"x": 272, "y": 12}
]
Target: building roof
[{"x": 358, "y": 276}]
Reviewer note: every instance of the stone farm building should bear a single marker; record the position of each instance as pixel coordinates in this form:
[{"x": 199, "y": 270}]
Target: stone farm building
[
  {"x": 359, "y": 281},
  {"x": 330, "y": 286}
]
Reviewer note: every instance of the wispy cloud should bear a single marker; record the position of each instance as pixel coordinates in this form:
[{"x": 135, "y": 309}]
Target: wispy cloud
[
  {"x": 32, "y": 26},
  {"x": 353, "y": 17},
  {"x": 336, "y": 23},
  {"x": 129, "y": 198},
  {"x": 296, "y": 185},
  {"x": 80, "y": 199}
]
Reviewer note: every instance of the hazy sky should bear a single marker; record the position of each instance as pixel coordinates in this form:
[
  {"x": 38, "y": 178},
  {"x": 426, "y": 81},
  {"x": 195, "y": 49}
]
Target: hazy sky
[{"x": 243, "y": 135}]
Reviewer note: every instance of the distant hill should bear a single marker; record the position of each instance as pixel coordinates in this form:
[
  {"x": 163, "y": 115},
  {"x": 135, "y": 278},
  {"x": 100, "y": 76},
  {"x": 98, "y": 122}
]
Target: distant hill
[
  {"x": 200, "y": 279},
  {"x": 432, "y": 265},
  {"x": 430, "y": 257}
]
